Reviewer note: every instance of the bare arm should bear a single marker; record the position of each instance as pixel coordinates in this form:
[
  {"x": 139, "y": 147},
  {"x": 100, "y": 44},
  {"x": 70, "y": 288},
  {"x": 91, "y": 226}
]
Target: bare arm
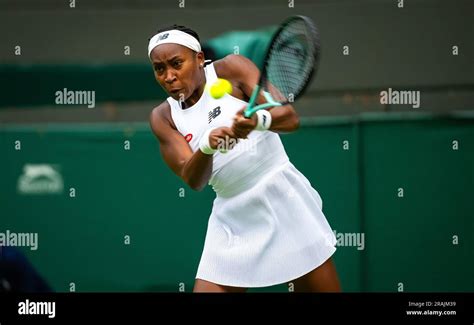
[
  {"x": 194, "y": 168},
  {"x": 245, "y": 74}
]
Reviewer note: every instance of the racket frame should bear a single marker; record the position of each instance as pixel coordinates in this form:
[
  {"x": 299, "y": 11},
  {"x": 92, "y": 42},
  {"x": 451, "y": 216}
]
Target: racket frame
[{"x": 251, "y": 108}]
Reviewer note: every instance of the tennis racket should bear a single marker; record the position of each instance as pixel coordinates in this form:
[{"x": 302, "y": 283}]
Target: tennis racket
[{"x": 290, "y": 64}]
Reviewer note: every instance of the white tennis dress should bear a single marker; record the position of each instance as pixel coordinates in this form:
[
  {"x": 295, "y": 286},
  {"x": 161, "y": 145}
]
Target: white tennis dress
[{"x": 267, "y": 226}]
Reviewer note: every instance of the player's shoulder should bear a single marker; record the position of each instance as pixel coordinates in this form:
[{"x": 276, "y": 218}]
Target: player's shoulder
[
  {"x": 232, "y": 65},
  {"x": 161, "y": 116},
  {"x": 161, "y": 111}
]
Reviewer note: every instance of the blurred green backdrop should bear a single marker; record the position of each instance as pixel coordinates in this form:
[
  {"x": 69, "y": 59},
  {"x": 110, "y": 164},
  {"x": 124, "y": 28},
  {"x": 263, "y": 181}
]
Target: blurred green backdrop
[{"x": 122, "y": 188}]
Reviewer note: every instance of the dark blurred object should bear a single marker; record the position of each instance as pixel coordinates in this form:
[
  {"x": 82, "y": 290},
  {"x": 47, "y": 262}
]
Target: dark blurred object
[
  {"x": 17, "y": 274},
  {"x": 209, "y": 53}
]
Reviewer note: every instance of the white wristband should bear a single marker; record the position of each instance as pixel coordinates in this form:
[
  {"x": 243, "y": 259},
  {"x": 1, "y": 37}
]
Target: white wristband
[
  {"x": 264, "y": 120},
  {"x": 204, "y": 145}
]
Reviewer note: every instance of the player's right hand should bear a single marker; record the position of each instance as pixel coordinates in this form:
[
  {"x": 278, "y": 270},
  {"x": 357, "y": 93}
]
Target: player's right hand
[{"x": 223, "y": 139}]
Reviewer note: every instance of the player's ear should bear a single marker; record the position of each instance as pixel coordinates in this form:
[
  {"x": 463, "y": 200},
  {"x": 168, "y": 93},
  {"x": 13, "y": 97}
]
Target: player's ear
[{"x": 200, "y": 59}]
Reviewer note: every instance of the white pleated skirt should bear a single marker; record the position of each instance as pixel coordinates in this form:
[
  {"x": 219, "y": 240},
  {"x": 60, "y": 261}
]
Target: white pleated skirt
[{"x": 269, "y": 234}]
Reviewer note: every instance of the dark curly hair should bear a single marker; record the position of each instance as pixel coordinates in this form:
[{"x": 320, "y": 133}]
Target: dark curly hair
[{"x": 185, "y": 29}]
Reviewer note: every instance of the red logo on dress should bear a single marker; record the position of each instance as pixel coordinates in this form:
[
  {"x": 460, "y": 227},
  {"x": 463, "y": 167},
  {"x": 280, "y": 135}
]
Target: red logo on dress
[{"x": 188, "y": 137}]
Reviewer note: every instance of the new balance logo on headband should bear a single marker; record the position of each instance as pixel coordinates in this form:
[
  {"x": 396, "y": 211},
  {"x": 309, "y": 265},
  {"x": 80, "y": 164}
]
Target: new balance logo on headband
[
  {"x": 214, "y": 113},
  {"x": 162, "y": 37}
]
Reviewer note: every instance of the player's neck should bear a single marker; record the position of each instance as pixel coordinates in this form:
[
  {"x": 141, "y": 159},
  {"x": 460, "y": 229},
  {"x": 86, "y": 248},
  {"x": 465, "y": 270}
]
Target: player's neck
[{"x": 196, "y": 95}]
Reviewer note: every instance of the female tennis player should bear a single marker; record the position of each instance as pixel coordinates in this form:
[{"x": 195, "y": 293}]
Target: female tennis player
[{"x": 266, "y": 226}]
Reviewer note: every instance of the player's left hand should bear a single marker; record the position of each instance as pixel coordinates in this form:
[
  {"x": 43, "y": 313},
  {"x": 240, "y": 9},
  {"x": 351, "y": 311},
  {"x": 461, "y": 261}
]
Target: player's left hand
[{"x": 242, "y": 126}]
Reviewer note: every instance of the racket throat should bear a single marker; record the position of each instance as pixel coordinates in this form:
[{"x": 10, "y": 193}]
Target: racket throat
[{"x": 268, "y": 97}]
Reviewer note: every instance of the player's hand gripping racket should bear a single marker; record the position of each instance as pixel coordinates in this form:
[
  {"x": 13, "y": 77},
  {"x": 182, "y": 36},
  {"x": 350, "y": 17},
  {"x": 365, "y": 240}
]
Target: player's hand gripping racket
[{"x": 290, "y": 63}]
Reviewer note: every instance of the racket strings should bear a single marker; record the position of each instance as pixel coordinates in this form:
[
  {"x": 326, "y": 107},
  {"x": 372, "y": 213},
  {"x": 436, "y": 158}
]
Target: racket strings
[{"x": 293, "y": 55}]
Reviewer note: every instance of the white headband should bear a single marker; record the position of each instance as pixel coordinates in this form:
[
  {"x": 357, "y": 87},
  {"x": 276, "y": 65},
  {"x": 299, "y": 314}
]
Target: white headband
[{"x": 176, "y": 37}]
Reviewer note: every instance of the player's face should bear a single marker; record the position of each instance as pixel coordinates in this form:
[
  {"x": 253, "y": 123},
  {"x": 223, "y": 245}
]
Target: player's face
[{"x": 176, "y": 69}]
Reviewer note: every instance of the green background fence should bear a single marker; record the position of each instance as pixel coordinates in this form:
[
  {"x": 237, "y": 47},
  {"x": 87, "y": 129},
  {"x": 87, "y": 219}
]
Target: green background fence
[{"x": 359, "y": 165}]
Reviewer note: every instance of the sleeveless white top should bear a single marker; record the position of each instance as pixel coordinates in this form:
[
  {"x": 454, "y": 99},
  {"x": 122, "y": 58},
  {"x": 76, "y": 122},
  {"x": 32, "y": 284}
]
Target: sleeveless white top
[{"x": 241, "y": 167}]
